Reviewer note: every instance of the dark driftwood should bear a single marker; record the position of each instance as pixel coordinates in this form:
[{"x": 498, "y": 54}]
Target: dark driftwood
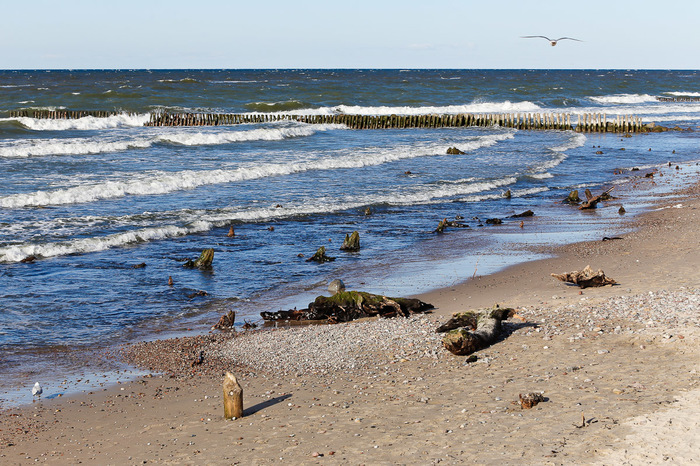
[
  {"x": 592, "y": 201},
  {"x": 471, "y": 331},
  {"x": 444, "y": 223},
  {"x": 320, "y": 256},
  {"x": 527, "y": 213},
  {"x": 345, "y": 306},
  {"x": 226, "y": 321},
  {"x": 585, "y": 278},
  {"x": 199, "y": 360}
]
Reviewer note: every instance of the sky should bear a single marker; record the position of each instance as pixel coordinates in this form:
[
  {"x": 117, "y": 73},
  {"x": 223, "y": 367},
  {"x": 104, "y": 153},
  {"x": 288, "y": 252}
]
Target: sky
[{"x": 157, "y": 34}]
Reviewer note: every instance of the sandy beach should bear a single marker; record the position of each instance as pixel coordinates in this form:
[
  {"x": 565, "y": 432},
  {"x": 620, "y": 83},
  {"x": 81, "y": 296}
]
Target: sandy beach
[{"x": 617, "y": 365}]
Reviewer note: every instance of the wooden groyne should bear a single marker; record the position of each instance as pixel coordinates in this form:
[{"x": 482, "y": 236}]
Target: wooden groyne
[
  {"x": 678, "y": 99},
  {"x": 586, "y": 122},
  {"x": 65, "y": 114}
]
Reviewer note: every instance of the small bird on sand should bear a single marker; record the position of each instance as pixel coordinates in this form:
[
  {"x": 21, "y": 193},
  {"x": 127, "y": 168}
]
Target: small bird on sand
[
  {"x": 552, "y": 41},
  {"x": 37, "y": 390}
]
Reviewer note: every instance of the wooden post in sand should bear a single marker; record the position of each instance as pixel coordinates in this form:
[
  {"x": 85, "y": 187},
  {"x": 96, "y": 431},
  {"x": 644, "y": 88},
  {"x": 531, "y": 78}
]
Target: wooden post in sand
[{"x": 233, "y": 397}]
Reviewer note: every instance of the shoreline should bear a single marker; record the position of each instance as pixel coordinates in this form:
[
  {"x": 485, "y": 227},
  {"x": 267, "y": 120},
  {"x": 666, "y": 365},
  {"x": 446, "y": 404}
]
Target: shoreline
[{"x": 411, "y": 408}]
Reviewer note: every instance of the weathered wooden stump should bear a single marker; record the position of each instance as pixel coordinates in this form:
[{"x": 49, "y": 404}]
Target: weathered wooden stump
[
  {"x": 233, "y": 397},
  {"x": 441, "y": 226},
  {"x": 352, "y": 242},
  {"x": 204, "y": 262}
]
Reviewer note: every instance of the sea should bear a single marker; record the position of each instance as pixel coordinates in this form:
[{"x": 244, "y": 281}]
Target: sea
[{"x": 110, "y": 209}]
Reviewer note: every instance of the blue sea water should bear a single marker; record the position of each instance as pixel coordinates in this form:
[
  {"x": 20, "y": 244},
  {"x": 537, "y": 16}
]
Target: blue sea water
[{"x": 91, "y": 198}]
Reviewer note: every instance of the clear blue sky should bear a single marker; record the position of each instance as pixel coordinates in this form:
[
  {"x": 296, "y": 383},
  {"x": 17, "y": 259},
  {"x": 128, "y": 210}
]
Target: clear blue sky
[{"x": 350, "y": 34}]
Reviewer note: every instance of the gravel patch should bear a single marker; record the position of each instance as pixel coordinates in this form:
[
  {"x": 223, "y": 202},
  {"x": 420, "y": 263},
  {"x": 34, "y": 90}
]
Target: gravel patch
[
  {"x": 322, "y": 349},
  {"x": 380, "y": 344},
  {"x": 653, "y": 313}
]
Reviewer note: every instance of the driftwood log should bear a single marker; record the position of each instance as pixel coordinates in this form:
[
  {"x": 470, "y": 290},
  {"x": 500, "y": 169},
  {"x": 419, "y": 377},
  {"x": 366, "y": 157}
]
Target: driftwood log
[
  {"x": 471, "y": 331},
  {"x": 592, "y": 201},
  {"x": 585, "y": 278},
  {"x": 444, "y": 223},
  {"x": 233, "y": 397},
  {"x": 345, "y": 306}
]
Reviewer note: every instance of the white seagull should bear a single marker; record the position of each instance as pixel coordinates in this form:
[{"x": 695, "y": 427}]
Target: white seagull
[
  {"x": 552, "y": 41},
  {"x": 37, "y": 390}
]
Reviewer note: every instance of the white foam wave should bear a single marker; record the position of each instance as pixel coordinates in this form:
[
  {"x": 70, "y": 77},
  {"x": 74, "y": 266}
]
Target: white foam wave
[
  {"x": 683, "y": 94},
  {"x": 76, "y": 146},
  {"x": 163, "y": 183},
  {"x": 658, "y": 118},
  {"x": 85, "y": 123},
  {"x": 262, "y": 134},
  {"x": 82, "y": 146},
  {"x": 514, "y": 193},
  {"x": 576, "y": 140},
  {"x": 233, "y": 82},
  {"x": 623, "y": 99},
  {"x": 84, "y": 245},
  {"x": 200, "y": 221},
  {"x": 476, "y": 107},
  {"x": 541, "y": 176},
  {"x": 430, "y": 195}
]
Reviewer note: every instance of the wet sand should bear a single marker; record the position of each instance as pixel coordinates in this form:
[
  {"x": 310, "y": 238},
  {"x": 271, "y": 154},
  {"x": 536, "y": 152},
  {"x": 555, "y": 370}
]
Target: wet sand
[{"x": 618, "y": 367}]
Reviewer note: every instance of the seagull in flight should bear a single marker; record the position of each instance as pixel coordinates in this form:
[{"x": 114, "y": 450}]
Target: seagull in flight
[{"x": 552, "y": 41}]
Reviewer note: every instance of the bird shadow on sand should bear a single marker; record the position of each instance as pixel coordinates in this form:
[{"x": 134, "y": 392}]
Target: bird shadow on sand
[{"x": 266, "y": 404}]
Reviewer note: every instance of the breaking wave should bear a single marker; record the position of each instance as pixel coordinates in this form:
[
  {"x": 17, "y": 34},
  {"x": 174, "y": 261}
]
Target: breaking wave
[
  {"x": 163, "y": 183},
  {"x": 97, "y": 145},
  {"x": 85, "y": 123},
  {"x": 475, "y": 107},
  {"x": 201, "y": 221},
  {"x": 623, "y": 99}
]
